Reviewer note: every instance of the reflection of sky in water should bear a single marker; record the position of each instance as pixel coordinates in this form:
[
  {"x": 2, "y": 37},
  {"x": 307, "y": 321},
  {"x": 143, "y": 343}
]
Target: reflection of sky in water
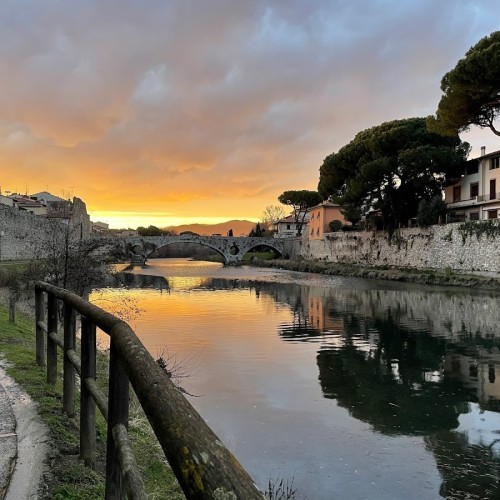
[
  {"x": 267, "y": 379},
  {"x": 482, "y": 428},
  {"x": 186, "y": 282}
]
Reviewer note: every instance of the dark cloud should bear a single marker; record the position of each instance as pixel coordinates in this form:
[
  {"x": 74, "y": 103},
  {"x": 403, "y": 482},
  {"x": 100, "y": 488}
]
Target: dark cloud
[{"x": 174, "y": 106}]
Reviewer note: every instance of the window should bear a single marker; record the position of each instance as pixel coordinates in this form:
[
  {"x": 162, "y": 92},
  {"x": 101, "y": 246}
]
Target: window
[
  {"x": 312, "y": 231},
  {"x": 457, "y": 192},
  {"x": 317, "y": 232},
  {"x": 312, "y": 216},
  {"x": 474, "y": 189},
  {"x": 492, "y": 214},
  {"x": 474, "y": 216},
  {"x": 288, "y": 226},
  {"x": 495, "y": 163},
  {"x": 493, "y": 189}
]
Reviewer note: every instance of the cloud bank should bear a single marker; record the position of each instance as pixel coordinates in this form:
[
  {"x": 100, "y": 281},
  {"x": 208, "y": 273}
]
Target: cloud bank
[{"x": 212, "y": 108}]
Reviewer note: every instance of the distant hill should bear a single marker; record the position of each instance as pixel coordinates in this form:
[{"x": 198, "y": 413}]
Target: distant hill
[{"x": 239, "y": 227}]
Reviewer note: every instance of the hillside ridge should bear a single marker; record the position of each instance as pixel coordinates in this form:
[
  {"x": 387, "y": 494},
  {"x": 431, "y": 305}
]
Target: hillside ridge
[{"x": 239, "y": 227}]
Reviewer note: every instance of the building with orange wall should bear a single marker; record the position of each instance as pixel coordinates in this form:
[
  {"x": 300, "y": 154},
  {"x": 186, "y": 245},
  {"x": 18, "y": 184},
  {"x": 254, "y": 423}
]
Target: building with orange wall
[{"x": 320, "y": 217}]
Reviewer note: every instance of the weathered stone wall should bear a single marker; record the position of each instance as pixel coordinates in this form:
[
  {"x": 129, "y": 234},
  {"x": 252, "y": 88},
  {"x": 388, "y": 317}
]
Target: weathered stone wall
[
  {"x": 231, "y": 248},
  {"x": 25, "y": 236},
  {"x": 80, "y": 220},
  {"x": 437, "y": 247}
]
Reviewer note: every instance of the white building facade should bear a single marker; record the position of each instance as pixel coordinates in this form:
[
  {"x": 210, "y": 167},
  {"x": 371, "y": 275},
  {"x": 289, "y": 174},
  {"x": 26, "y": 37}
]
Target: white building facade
[
  {"x": 477, "y": 195},
  {"x": 288, "y": 228}
]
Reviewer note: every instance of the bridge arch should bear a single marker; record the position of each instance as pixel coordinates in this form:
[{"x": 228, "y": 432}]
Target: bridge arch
[
  {"x": 232, "y": 249},
  {"x": 180, "y": 241},
  {"x": 261, "y": 244}
]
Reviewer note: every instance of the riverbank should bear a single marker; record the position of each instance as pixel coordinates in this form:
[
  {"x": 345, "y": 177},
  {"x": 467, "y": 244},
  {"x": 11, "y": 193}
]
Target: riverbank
[
  {"x": 444, "y": 277},
  {"x": 63, "y": 474}
]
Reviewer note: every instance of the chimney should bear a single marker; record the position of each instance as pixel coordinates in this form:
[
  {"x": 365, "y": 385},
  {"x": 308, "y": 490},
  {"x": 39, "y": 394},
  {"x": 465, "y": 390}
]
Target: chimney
[{"x": 483, "y": 150}]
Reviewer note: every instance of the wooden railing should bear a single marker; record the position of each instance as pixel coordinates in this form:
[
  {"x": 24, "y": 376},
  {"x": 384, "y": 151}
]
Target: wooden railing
[{"x": 202, "y": 464}]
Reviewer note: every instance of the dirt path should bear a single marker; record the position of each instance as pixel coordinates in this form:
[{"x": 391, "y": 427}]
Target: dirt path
[{"x": 33, "y": 446}]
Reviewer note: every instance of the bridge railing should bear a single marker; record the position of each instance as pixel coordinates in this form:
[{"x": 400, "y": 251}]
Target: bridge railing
[{"x": 202, "y": 464}]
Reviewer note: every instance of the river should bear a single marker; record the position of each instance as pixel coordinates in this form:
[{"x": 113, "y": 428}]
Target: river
[{"x": 342, "y": 387}]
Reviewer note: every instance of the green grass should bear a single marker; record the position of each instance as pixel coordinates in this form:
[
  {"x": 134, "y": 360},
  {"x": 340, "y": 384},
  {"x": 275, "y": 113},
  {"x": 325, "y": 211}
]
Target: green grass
[
  {"x": 15, "y": 264},
  {"x": 259, "y": 255},
  {"x": 70, "y": 478}
]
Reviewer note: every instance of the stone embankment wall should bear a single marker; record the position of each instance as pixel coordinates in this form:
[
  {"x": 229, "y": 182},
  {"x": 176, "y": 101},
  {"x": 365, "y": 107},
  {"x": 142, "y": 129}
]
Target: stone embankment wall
[{"x": 437, "y": 247}]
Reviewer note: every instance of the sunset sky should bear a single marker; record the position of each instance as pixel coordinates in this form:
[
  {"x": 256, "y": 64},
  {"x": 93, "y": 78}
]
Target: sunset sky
[{"x": 173, "y": 111}]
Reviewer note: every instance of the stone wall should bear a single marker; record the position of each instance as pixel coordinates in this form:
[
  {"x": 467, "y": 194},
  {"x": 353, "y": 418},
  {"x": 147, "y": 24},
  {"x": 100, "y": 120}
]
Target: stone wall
[
  {"x": 80, "y": 219},
  {"x": 21, "y": 234},
  {"x": 437, "y": 247},
  {"x": 25, "y": 236}
]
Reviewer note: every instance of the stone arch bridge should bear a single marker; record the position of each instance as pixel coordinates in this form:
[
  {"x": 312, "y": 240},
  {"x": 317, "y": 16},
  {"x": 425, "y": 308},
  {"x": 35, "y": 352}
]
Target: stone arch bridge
[{"x": 231, "y": 248}]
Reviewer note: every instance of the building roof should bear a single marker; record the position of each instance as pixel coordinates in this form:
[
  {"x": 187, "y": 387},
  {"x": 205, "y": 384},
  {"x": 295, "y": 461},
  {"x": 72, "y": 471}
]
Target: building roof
[
  {"x": 46, "y": 196},
  {"x": 286, "y": 220},
  {"x": 326, "y": 204},
  {"x": 489, "y": 155},
  {"x": 291, "y": 219},
  {"x": 25, "y": 201}
]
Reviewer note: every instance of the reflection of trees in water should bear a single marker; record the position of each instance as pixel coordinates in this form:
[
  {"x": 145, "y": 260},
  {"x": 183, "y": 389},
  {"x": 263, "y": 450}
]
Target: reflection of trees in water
[
  {"x": 388, "y": 360},
  {"x": 468, "y": 470},
  {"x": 395, "y": 379},
  {"x": 389, "y": 382},
  {"x": 131, "y": 280},
  {"x": 299, "y": 329},
  {"x": 391, "y": 359}
]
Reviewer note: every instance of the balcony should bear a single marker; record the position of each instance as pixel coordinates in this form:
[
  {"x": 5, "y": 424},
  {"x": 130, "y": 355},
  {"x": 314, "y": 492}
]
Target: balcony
[
  {"x": 464, "y": 203},
  {"x": 476, "y": 200},
  {"x": 488, "y": 197}
]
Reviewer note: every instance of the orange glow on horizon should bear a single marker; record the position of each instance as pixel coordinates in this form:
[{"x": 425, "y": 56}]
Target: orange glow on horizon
[{"x": 132, "y": 220}]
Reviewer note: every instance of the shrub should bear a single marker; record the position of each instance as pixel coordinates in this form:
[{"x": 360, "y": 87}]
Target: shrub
[
  {"x": 429, "y": 211},
  {"x": 335, "y": 225}
]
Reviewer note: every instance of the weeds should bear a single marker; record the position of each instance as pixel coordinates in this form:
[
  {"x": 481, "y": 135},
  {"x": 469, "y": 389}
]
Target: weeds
[
  {"x": 69, "y": 477},
  {"x": 448, "y": 236},
  {"x": 177, "y": 368},
  {"x": 489, "y": 228},
  {"x": 280, "y": 490}
]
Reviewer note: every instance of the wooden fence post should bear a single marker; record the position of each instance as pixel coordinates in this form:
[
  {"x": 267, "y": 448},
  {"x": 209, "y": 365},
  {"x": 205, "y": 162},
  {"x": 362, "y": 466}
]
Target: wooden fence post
[
  {"x": 117, "y": 414},
  {"x": 39, "y": 317},
  {"x": 69, "y": 369},
  {"x": 51, "y": 345},
  {"x": 88, "y": 406},
  {"x": 12, "y": 308}
]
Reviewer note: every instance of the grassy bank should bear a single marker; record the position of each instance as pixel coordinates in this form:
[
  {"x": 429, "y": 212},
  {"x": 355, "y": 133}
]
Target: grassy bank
[
  {"x": 68, "y": 477},
  {"x": 446, "y": 277}
]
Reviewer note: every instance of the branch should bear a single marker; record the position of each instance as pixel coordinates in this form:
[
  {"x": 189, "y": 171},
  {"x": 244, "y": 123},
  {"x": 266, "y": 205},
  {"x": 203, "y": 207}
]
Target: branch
[
  {"x": 492, "y": 104},
  {"x": 492, "y": 127}
]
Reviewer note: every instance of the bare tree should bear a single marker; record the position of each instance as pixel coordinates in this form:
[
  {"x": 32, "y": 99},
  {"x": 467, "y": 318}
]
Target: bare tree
[
  {"x": 271, "y": 214},
  {"x": 73, "y": 263}
]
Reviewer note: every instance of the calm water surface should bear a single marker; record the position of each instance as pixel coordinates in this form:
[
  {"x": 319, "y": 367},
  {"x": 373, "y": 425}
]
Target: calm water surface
[{"x": 352, "y": 388}]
